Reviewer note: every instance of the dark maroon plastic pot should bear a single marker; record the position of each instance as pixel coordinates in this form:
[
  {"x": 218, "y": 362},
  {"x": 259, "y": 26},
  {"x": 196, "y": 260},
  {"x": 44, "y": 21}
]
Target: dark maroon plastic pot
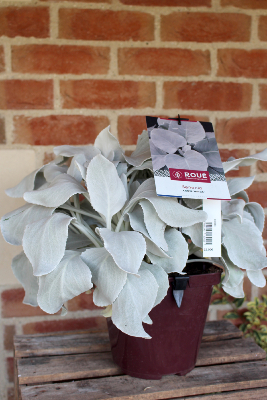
[{"x": 176, "y": 332}]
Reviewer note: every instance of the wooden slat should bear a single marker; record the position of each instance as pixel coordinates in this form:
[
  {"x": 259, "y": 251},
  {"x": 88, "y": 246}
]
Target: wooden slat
[
  {"x": 251, "y": 394},
  {"x": 80, "y": 366},
  {"x": 201, "y": 380},
  {"x": 41, "y": 345}
]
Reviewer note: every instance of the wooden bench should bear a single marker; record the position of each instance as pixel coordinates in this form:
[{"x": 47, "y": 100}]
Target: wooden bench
[{"x": 79, "y": 366}]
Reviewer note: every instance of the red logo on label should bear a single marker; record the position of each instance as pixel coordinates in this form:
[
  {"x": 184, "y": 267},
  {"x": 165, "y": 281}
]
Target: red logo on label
[{"x": 189, "y": 175}]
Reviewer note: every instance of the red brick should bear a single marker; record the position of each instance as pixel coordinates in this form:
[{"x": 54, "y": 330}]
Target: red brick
[
  {"x": 253, "y": 4},
  {"x": 101, "y": 94},
  {"x": 49, "y": 59},
  {"x": 221, "y": 96},
  {"x": 262, "y": 167},
  {"x": 129, "y": 127},
  {"x": 58, "y": 129},
  {"x": 225, "y": 154},
  {"x": 105, "y": 25},
  {"x": 247, "y": 63},
  {"x": 247, "y": 286},
  {"x": 263, "y": 26},
  {"x": 172, "y": 62},
  {"x": 10, "y": 394},
  {"x": 48, "y": 157},
  {"x": 24, "y": 21},
  {"x": 237, "y": 322},
  {"x": 2, "y": 59},
  {"x": 12, "y": 305},
  {"x": 205, "y": 27},
  {"x": 9, "y": 332},
  {"x": 18, "y": 94},
  {"x": 168, "y": 3},
  {"x": 241, "y": 130},
  {"x": 93, "y": 324},
  {"x": 262, "y": 291},
  {"x": 263, "y": 96},
  {"x": 10, "y": 369},
  {"x": 2, "y": 131},
  {"x": 82, "y": 302},
  {"x": 258, "y": 192},
  {"x": 80, "y": 1}
]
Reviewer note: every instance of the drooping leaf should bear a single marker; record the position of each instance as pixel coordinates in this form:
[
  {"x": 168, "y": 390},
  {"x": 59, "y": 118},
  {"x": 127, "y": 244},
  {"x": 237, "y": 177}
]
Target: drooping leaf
[
  {"x": 233, "y": 208},
  {"x": 257, "y": 278},
  {"x": 166, "y": 140},
  {"x": 71, "y": 278},
  {"x": 161, "y": 278},
  {"x": 257, "y": 212},
  {"x": 106, "y": 190},
  {"x": 89, "y": 151},
  {"x": 142, "y": 151},
  {"x": 44, "y": 242},
  {"x": 27, "y": 184},
  {"x": 51, "y": 171},
  {"x": 23, "y": 271},
  {"x": 121, "y": 168},
  {"x": 74, "y": 170},
  {"x": 134, "y": 302},
  {"x": 109, "y": 145},
  {"x": 13, "y": 223},
  {"x": 133, "y": 188},
  {"x": 244, "y": 244},
  {"x": 177, "y": 250},
  {"x": 126, "y": 247},
  {"x": 233, "y": 275},
  {"x": 245, "y": 161},
  {"x": 241, "y": 195},
  {"x": 191, "y": 160},
  {"x": 154, "y": 225},
  {"x": 193, "y": 132},
  {"x": 108, "y": 278},
  {"x": 209, "y": 149},
  {"x": 57, "y": 193},
  {"x": 236, "y": 185},
  {"x": 195, "y": 232},
  {"x": 236, "y": 291}
]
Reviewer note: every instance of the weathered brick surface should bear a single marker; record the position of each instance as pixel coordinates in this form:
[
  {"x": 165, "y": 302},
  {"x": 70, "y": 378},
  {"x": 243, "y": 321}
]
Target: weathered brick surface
[
  {"x": 24, "y": 21},
  {"x": 129, "y": 127},
  {"x": 2, "y": 59},
  {"x": 257, "y": 192},
  {"x": 18, "y": 94},
  {"x": 253, "y": 4},
  {"x": 205, "y": 27},
  {"x": 92, "y": 324},
  {"x": 105, "y": 25},
  {"x": 168, "y": 62},
  {"x": 170, "y": 3},
  {"x": 262, "y": 167},
  {"x": 9, "y": 332},
  {"x": 82, "y": 302},
  {"x": 12, "y": 305},
  {"x": 237, "y": 153},
  {"x": 247, "y": 63},
  {"x": 58, "y": 129},
  {"x": 223, "y": 96},
  {"x": 10, "y": 369},
  {"x": 241, "y": 130},
  {"x": 263, "y": 27},
  {"x": 101, "y": 94},
  {"x": 2, "y": 131},
  {"x": 56, "y": 59},
  {"x": 263, "y": 96}
]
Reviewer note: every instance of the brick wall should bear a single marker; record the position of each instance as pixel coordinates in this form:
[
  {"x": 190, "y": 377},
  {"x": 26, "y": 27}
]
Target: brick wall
[{"x": 70, "y": 68}]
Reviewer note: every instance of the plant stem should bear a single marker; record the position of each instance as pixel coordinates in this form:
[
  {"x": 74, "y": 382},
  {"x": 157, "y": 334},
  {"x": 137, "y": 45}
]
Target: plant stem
[
  {"x": 119, "y": 224},
  {"x": 132, "y": 178},
  {"x": 87, "y": 231},
  {"x": 80, "y": 211}
]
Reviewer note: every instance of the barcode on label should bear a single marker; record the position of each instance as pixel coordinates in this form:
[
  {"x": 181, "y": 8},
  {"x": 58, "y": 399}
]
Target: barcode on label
[{"x": 208, "y": 233}]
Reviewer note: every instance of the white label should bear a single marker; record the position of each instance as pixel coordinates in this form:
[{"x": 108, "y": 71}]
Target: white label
[{"x": 212, "y": 229}]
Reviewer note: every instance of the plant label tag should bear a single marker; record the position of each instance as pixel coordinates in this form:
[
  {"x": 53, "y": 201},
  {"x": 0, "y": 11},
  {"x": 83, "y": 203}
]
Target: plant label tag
[
  {"x": 186, "y": 159},
  {"x": 212, "y": 229}
]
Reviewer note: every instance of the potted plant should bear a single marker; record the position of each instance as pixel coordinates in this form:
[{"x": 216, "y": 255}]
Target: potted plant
[{"x": 93, "y": 220}]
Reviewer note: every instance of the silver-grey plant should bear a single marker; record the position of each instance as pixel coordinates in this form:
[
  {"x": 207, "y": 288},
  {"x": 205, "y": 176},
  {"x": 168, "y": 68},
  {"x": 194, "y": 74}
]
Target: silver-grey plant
[{"x": 93, "y": 220}]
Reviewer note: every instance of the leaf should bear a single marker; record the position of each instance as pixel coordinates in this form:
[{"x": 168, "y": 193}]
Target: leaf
[
  {"x": 257, "y": 278},
  {"x": 245, "y": 161},
  {"x": 233, "y": 208},
  {"x": 168, "y": 209},
  {"x": 231, "y": 315},
  {"x": 191, "y": 160},
  {"x": 242, "y": 194},
  {"x": 257, "y": 212},
  {"x": 27, "y": 184},
  {"x": 195, "y": 232},
  {"x": 209, "y": 149},
  {"x": 77, "y": 241},
  {"x": 161, "y": 278},
  {"x": 57, "y": 193},
  {"x": 74, "y": 169},
  {"x": 244, "y": 244},
  {"x": 106, "y": 190},
  {"x": 108, "y": 278},
  {"x": 13, "y": 223},
  {"x": 51, "y": 171},
  {"x": 126, "y": 248},
  {"x": 236, "y": 185},
  {"x": 134, "y": 302},
  {"x": 193, "y": 203},
  {"x": 109, "y": 145},
  {"x": 193, "y": 132},
  {"x": 166, "y": 140},
  {"x": 154, "y": 225},
  {"x": 23, "y": 271},
  {"x": 121, "y": 168},
  {"x": 233, "y": 275},
  {"x": 177, "y": 250},
  {"x": 44, "y": 242},
  {"x": 133, "y": 188},
  {"x": 158, "y": 162},
  {"x": 142, "y": 151},
  {"x": 89, "y": 151},
  {"x": 71, "y": 278},
  {"x": 155, "y": 151}
]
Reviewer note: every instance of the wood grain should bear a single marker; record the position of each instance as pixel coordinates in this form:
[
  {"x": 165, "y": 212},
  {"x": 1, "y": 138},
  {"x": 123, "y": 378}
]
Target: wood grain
[
  {"x": 253, "y": 394},
  {"x": 202, "y": 380}
]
